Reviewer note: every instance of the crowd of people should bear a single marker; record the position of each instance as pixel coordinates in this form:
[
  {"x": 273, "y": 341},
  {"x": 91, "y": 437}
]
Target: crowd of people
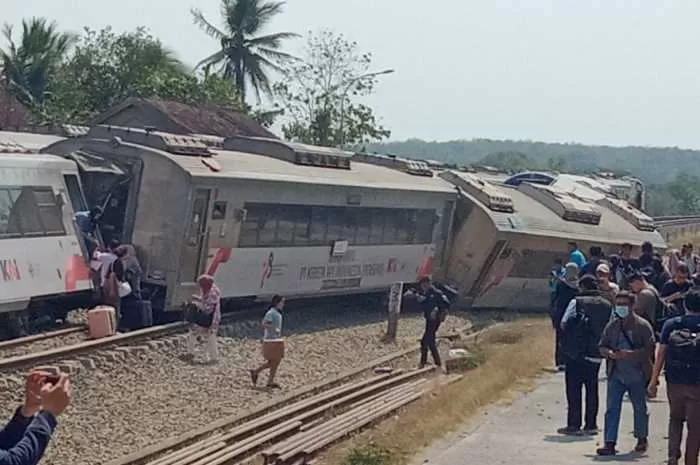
[{"x": 641, "y": 316}]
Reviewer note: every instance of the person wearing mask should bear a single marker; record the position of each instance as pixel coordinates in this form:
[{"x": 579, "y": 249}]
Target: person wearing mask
[
  {"x": 434, "y": 305},
  {"x": 566, "y": 289},
  {"x": 576, "y": 256},
  {"x": 583, "y": 323},
  {"x": 596, "y": 254},
  {"x": 627, "y": 344},
  {"x": 607, "y": 288},
  {"x": 208, "y": 302},
  {"x": 678, "y": 353},
  {"x": 648, "y": 303},
  {"x": 272, "y": 343},
  {"x": 673, "y": 291},
  {"x": 25, "y": 438}
]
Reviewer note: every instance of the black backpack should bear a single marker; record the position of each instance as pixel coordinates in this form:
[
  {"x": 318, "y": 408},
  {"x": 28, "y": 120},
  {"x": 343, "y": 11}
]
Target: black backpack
[
  {"x": 683, "y": 355},
  {"x": 578, "y": 334}
]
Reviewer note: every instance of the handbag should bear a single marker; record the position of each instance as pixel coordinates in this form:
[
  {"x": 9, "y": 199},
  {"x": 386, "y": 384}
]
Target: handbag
[
  {"x": 124, "y": 289},
  {"x": 195, "y": 315}
]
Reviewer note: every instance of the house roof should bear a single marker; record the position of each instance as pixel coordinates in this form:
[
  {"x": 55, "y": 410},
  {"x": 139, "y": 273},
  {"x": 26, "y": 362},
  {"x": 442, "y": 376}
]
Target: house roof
[{"x": 195, "y": 119}]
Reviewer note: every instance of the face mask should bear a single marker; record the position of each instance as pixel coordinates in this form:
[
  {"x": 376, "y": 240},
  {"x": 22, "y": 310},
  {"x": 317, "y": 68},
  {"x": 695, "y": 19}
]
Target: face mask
[{"x": 622, "y": 311}]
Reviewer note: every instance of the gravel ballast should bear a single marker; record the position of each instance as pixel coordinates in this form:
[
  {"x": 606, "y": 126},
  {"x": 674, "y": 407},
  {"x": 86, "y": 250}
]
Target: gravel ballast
[{"x": 129, "y": 404}]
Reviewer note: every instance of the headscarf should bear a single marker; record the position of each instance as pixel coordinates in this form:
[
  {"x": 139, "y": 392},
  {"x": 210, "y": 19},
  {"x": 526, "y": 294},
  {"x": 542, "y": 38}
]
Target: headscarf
[{"x": 571, "y": 271}]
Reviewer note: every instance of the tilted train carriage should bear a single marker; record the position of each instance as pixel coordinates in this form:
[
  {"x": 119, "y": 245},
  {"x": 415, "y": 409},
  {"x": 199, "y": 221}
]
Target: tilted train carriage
[{"x": 261, "y": 215}]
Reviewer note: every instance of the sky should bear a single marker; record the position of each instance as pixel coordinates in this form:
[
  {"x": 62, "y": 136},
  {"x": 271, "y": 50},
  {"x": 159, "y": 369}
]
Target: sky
[{"x": 594, "y": 71}]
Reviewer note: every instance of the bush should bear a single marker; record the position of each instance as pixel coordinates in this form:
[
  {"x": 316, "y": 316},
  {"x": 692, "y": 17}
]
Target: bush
[{"x": 368, "y": 455}]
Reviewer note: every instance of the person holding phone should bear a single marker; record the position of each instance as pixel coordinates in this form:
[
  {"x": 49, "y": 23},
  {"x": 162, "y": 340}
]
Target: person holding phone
[{"x": 25, "y": 438}]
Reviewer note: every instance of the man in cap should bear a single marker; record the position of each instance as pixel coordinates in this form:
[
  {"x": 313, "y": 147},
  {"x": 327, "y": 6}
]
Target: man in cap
[{"x": 607, "y": 288}]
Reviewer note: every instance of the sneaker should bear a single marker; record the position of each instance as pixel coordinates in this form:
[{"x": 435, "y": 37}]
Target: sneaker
[
  {"x": 569, "y": 431},
  {"x": 590, "y": 431},
  {"x": 607, "y": 450},
  {"x": 642, "y": 445},
  {"x": 253, "y": 377}
]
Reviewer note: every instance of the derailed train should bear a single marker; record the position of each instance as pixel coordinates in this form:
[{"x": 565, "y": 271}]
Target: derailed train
[{"x": 266, "y": 216}]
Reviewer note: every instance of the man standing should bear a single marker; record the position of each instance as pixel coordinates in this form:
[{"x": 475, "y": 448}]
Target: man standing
[
  {"x": 608, "y": 288},
  {"x": 583, "y": 323},
  {"x": 648, "y": 303},
  {"x": 434, "y": 305},
  {"x": 691, "y": 259},
  {"x": 596, "y": 258},
  {"x": 674, "y": 290},
  {"x": 627, "y": 344},
  {"x": 565, "y": 290},
  {"x": 679, "y": 352}
]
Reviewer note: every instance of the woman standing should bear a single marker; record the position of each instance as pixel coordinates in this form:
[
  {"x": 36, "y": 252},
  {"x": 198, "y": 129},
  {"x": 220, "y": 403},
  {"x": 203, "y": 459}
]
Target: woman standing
[
  {"x": 272, "y": 343},
  {"x": 131, "y": 303},
  {"x": 209, "y": 303}
]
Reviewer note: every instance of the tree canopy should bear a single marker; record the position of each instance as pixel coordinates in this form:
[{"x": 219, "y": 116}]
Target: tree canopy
[
  {"x": 245, "y": 55},
  {"x": 319, "y": 94}
]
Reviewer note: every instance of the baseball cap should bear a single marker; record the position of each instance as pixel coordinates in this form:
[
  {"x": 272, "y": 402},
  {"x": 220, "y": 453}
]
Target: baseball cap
[{"x": 603, "y": 269}]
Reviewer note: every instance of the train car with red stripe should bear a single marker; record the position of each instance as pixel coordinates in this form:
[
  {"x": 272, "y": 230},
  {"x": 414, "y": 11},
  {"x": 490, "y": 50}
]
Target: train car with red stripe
[
  {"x": 263, "y": 216},
  {"x": 42, "y": 262}
]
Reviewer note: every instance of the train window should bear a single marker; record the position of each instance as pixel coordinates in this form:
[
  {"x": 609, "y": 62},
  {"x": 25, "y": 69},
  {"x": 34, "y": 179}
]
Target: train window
[
  {"x": 74, "y": 192},
  {"x": 364, "y": 225},
  {"x": 267, "y": 225},
  {"x": 319, "y": 225},
  {"x": 350, "y": 222},
  {"x": 406, "y": 226},
  {"x": 50, "y": 213},
  {"x": 7, "y": 229},
  {"x": 218, "y": 211},
  {"x": 336, "y": 225},
  {"x": 249, "y": 229},
  {"x": 376, "y": 228},
  {"x": 390, "y": 228},
  {"x": 286, "y": 221},
  {"x": 425, "y": 223},
  {"x": 26, "y": 211},
  {"x": 302, "y": 228}
]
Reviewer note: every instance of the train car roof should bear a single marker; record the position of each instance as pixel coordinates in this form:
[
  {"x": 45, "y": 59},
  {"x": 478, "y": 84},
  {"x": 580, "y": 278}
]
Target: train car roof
[
  {"x": 35, "y": 160},
  {"x": 31, "y": 142},
  {"x": 531, "y": 216},
  {"x": 240, "y": 165}
]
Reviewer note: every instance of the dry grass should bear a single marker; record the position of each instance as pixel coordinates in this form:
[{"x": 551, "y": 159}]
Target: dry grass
[{"x": 513, "y": 355}]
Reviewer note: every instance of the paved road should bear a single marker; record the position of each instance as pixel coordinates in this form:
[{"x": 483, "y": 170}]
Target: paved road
[{"x": 524, "y": 433}]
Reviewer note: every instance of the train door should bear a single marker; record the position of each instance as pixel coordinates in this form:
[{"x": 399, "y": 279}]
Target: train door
[{"x": 194, "y": 251}]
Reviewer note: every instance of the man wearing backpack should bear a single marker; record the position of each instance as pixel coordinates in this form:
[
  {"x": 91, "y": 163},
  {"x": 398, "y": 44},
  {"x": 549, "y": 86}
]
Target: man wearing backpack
[
  {"x": 583, "y": 323},
  {"x": 627, "y": 344},
  {"x": 679, "y": 352},
  {"x": 435, "y": 306}
]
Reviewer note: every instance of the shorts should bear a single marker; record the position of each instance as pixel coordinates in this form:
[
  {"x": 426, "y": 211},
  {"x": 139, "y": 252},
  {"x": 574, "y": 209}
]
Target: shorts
[{"x": 273, "y": 351}]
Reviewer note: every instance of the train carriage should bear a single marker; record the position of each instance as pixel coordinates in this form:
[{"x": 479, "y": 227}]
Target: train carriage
[
  {"x": 261, "y": 215},
  {"x": 508, "y": 236},
  {"x": 42, "y": 261}
]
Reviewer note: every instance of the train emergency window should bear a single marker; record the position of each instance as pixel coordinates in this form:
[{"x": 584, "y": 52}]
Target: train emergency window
[
  {"x": 364, "y": 225},
  {"x": 286, "y": 220},
  {"x": 336, "y": 225},
  {"x": 249, "y": 228},
  {"x": 218, "y": 211},
  {"x": 350, "y": 220},
  {"x": 7, "y": 228},
  {"x": 319, "y": 225},
  {"x": 390, "y": 227},
  {"x": 405, "y": 226},
  {"x": 425, "y": 223}
]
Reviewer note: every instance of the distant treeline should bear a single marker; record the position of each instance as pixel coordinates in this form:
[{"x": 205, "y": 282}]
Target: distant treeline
[{"x": 671, "y": 174}]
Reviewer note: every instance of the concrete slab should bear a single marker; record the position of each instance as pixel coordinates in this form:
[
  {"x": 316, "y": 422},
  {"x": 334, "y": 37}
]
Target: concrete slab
[{"x": 524, "y": 433}]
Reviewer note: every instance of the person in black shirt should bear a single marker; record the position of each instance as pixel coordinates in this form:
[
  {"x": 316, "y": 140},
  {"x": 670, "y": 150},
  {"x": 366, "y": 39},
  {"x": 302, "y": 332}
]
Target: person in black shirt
[
  {"x": 434, "y": 305},
  {"x": 596, "y": 254},
  {"x": 674, "y": 290}
]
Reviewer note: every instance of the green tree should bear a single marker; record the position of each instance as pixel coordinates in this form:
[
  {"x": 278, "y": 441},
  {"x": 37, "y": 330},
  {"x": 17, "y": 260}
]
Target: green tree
[
  {"x": 106, "y": 68},
  {"x": 245, "y": 56},
  {"x": 318, "y": 92},
  {"x": 509, "y": 161},
  {"x": 27, "y": 65}
]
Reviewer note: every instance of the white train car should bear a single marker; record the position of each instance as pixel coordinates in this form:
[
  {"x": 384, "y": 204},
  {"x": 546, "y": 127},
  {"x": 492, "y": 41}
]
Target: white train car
[
  {"x": 42, "y": 264},
  {"x": 261, "y": 215}
]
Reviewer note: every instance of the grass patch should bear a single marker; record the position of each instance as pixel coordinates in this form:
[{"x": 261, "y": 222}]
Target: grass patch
[{"x": 506, "y": 359}]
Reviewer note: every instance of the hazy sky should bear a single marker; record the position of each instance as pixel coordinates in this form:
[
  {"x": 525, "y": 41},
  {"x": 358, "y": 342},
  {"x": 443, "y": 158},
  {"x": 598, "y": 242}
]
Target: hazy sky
[{"x": 606, "y": 72}]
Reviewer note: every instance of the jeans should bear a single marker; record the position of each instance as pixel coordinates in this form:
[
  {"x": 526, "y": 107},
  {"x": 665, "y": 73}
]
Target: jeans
[
  {"x": 579, "y": 374},
  {"x": 616, "y": 392},
  {"x": 429, "y": 342},
  {"x": 684, "y": 406}
]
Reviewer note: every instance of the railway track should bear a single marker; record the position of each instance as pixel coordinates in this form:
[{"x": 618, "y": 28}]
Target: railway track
[{"x": 293, "y": 430}]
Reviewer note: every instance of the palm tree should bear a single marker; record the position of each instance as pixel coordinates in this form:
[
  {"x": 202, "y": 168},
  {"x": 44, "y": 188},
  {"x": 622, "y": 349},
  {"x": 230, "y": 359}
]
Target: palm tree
[
  {"x": 28, "y": 65},
  {"x": 245, "y": 56}
]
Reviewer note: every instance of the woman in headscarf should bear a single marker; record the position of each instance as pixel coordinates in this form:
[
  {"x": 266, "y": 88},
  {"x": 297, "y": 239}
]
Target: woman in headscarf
[
  {"x": 673, "y": 259},
  {"x": 565, "y": 290},
  {"x": 208, "y": 302},
  {"x": 131, "y": 303}
]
